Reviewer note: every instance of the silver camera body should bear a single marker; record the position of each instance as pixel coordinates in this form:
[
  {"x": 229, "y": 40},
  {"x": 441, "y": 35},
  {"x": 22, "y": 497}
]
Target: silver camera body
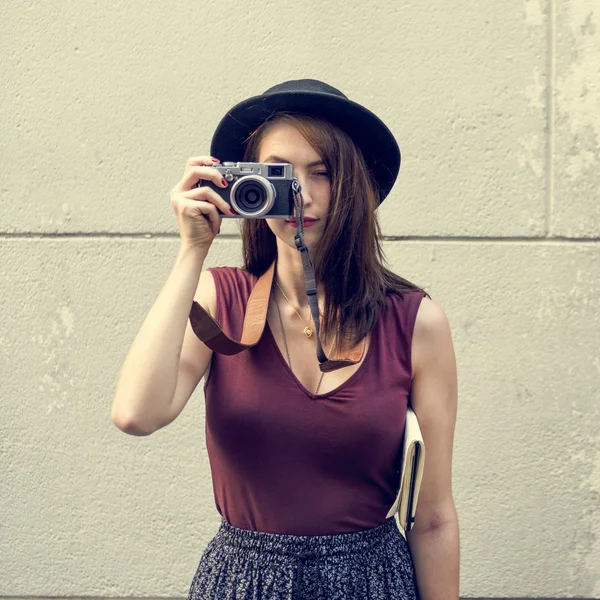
[{"x": 256, "y": 190}]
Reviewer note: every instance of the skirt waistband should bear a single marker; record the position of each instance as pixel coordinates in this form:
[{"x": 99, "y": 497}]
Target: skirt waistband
[{"x": 307, "y": 546}]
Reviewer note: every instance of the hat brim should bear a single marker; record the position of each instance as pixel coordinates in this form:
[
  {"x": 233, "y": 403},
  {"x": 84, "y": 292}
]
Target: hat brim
[{"x": 369, "y": 133}]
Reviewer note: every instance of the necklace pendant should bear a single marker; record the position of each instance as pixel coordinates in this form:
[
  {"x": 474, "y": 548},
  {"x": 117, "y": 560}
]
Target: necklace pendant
[{"x": 308, "y": 332}]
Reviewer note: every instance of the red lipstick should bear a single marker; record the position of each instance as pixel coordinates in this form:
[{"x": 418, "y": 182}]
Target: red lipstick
[{"x": 308, "y": 222}]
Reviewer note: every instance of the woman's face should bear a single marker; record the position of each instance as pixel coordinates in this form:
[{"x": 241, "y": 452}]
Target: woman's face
[{"x": 284, "y": 143}]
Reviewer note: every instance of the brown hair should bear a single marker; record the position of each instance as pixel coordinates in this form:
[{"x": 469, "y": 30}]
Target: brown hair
[{"x": 349, "y": 259}]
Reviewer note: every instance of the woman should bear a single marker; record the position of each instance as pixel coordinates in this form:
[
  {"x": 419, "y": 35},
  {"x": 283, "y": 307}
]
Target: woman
[{"x": 305, "y": 463}]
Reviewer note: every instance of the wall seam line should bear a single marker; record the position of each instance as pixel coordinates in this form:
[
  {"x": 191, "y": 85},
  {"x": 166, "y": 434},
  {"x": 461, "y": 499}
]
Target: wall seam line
[{"x": 529, "y": 240}]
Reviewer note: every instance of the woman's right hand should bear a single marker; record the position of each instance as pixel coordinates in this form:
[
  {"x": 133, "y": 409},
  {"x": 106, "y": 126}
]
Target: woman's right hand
[{"x": 196, "y": 207}]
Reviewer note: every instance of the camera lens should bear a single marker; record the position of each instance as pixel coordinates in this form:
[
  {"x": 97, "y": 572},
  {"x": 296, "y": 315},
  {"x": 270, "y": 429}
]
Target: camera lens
[
  {"x": 252, "y": 196},
  {"x": 275, "y": 171}
]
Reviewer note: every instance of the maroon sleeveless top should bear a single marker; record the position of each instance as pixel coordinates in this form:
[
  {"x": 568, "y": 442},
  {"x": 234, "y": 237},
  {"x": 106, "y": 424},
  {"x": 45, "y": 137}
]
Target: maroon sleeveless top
[{"x": 284, "y": 460}]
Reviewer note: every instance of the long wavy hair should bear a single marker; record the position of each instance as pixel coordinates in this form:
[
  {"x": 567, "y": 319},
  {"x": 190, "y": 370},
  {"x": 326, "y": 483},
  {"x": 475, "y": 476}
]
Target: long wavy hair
[{"x": 349, "y": 259}]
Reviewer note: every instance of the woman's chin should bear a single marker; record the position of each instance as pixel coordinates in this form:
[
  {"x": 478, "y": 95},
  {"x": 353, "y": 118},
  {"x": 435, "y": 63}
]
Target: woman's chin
[{"x": 289, "y": 239}]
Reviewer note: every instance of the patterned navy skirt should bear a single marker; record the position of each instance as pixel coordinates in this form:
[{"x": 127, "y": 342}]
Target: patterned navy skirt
[{"x": 374, "y": 564}]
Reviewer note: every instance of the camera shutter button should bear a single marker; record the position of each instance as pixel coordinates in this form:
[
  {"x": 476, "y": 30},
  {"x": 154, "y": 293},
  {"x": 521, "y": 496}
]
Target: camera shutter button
[{"x": 228, "y": 176}]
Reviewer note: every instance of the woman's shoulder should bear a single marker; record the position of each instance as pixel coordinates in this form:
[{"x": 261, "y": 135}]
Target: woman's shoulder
[
  {"x": 233, "y": 283},
  {"x": 419, "y": 306},
  {"x": 402, "y": 309},
  {"x": 421, "y": 321},
  {"x": 405, "y": 299},
  {"x": 431, "y": 319},
  {"x": 232, "y": 272},
  {"x": 420, "y": 315}
]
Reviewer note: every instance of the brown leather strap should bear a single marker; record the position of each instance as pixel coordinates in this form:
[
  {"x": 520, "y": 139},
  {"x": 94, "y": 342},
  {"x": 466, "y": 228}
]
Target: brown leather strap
[
  {"x": 353, "y": 356},
  {"x": 211, "y": 333}
]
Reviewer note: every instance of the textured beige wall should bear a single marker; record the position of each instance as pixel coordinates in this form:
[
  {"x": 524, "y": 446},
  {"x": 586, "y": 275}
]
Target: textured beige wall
[{"x": 496, "y": 106}]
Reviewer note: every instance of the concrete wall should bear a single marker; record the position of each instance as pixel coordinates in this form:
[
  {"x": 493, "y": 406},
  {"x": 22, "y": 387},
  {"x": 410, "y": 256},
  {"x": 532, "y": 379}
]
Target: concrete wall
[{"x": 496, "y": 107}]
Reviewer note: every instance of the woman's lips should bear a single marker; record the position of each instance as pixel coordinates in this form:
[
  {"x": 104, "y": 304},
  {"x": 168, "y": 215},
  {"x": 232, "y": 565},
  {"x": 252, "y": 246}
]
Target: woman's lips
[{"x": 307, "y": 222}]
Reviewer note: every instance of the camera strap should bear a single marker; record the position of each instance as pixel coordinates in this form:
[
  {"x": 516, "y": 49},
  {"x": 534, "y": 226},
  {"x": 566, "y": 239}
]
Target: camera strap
[
  {"x": 355, "y": 354},
  {"x": 211, "y": 333}
]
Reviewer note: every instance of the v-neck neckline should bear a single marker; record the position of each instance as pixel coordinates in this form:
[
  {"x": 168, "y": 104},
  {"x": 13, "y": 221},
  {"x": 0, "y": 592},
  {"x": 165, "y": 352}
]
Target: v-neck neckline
[{"x": 342, "y": 385}]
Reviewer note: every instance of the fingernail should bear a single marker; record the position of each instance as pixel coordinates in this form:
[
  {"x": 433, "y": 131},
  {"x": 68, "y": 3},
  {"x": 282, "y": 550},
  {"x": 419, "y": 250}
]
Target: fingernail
[
  {"x": 215, "y": 159},
  {"x": 224, "y": 182},
  {"x": 232, "y": 211}
]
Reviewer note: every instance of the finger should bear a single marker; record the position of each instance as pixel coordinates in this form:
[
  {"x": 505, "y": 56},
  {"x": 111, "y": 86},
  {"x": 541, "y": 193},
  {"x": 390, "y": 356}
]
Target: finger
[
  {"x": 194, "y": 161},
  {"x": 196, "y": 173},
  {"x": 206, "y": 209},
  {"x": 207, "y": 194}
]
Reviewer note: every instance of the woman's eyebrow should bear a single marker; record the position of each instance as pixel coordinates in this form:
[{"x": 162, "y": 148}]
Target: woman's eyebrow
[{"x": 278, "y": 159}]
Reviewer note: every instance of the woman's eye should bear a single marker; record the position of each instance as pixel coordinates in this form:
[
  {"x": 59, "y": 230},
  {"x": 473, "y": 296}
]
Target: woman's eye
[{"x": 322, "y": 174}]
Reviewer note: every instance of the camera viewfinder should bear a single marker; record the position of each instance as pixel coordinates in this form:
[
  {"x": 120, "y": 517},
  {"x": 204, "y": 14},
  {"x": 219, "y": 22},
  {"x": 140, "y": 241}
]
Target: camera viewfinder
[{"x": 275, "y": 171}]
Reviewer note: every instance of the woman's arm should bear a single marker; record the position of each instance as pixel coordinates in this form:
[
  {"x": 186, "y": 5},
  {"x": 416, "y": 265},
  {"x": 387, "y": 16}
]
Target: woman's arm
[
  {"x": 434, "y": 539},
  {"x": 165, "y": 360}
]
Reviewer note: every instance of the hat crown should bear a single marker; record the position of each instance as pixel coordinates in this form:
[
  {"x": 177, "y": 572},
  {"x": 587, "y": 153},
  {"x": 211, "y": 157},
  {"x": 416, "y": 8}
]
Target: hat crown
[
  {"x": 304, "y": 85},
  {"x": 318, "y": 99}
]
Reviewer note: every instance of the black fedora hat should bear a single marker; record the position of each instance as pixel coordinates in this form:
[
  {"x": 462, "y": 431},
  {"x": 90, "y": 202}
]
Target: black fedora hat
[{"x": 315, "y": 98}]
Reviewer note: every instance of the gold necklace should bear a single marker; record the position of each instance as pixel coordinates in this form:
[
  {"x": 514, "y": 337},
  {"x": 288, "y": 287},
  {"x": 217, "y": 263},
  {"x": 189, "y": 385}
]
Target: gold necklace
[
  {"x": 287, "y": 349},
  {"x": 308, "y": 330}
]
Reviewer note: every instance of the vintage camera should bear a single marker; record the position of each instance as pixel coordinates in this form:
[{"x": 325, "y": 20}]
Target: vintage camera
[{"x": 256, "y": 190}]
